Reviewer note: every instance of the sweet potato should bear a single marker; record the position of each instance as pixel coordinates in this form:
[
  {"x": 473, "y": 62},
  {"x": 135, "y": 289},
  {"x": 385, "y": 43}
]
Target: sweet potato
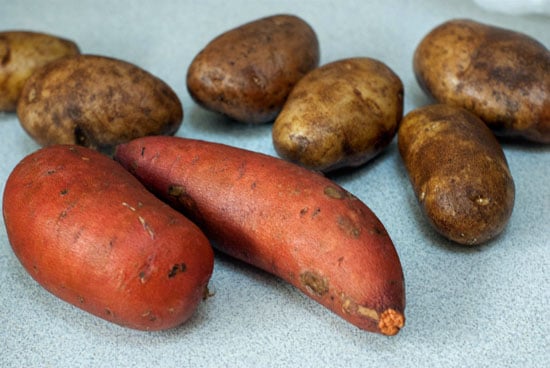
[
  {"x": 282, "y": 218},
  {"x": 91, "y": 234}
]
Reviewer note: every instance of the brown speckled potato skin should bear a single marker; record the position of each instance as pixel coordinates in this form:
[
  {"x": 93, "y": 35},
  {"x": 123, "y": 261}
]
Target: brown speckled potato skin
[
  {"x": 247, "y": 73},
  {"x": 21, "y": 53},
  {"x": 458, "y": 172},
  {"x": 501, "y": 75},
  {"x": 340, "y": 115},
  {"x": 97, "y": 102}
]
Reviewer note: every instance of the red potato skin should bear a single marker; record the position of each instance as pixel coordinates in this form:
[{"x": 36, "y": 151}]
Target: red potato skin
[
  {"x": 284, "y": 219},
  {"x": 91, "y": 234}
]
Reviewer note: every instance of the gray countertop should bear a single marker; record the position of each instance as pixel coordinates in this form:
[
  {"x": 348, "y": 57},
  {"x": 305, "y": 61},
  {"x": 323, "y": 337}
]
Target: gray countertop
[{"x": 486, "y": 306}]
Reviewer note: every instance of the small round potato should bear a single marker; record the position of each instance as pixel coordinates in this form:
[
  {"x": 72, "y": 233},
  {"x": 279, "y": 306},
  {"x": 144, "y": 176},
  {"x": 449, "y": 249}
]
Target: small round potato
[
  {"x": 500, "y": 75},
  {"x": 340, "y": 115},
  {"x": 458, "y": 172},
  {"x": 97, "y": 102},
  {"x": 21, "y": 53},
  {"x": 247, "y": 72}
]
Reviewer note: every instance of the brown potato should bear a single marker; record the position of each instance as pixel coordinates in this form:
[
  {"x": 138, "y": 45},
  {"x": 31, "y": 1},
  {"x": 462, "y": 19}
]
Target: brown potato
[
  {"x": 21, "y": 53},
  {"x": 247, "y": 72},
  {"x": 340, "y": 115},
  {"x": 458, "y": 172},
  {"x": 501, "y": 75},
  {"x": 97, "y": 102}
]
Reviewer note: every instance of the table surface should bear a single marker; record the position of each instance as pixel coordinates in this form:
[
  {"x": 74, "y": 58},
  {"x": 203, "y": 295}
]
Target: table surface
[{"x": 485, "y": 306}]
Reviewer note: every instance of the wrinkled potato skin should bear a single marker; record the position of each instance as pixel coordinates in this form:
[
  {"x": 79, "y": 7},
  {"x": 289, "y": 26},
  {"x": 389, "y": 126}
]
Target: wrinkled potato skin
[
  {"x": 247, "y": 73},
  {"x": 97, "y": 102},
  {"x": 458, "y": 172},
  {"x": 21, "y": 53},
  {"x": 340, "y": 115},
  {"x": 500, "y": 75}
]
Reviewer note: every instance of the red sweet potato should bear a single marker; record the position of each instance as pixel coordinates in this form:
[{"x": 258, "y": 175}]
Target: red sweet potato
[
  {"x": 91, "y": 234},
  {"x": 282, "y": 218}
]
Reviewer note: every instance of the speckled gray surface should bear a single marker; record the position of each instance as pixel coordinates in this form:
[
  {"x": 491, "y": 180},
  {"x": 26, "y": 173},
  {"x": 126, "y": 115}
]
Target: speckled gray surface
[{"x": 482, "y": 307}]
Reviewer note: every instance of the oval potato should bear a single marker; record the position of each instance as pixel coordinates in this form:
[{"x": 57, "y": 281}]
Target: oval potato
[
  {"x": 247, "y": 72},
  {"x": 21, "y": 54},
  {"x": 92, "y": 235},
  {"x": 340, "y": 115},
  {"x": 501, "y": 75},
  {"x": 458, "y": 171},
  {"x": 97, "y": 102}
]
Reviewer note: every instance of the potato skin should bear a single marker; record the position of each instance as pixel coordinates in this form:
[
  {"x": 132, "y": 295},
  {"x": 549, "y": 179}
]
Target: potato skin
[
  {"x": 97, "y": 102},
  {"x": 501, "y": 75},
  {"x": 458, "y": 171},
  {"x": 22, "y": 53},
  {"x": 247, "y": 72},
  {"x": 340, "y": 115},
  {"x": 92, "y": 235},
  {"x": 300, "y": 226}
]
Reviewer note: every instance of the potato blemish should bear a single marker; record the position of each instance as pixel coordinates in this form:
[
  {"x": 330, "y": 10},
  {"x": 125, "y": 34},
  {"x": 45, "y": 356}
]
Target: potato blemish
[
  {"x": 314, "y": 283},
  {"x": 333, "y": 192},
  {"x": 351, "y": 307},
  {"x": 348, "y": 226},
  {"x": 177, "y": 268},
  {"x": 180, "y": 193},
  {"x": 147, "y": 227}
]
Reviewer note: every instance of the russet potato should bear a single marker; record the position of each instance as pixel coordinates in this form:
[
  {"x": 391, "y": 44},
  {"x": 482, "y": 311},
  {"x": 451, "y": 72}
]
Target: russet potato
[
  {"x": 341, "y": 114},
  {"x": 500, "y": 75},
  {"x": 21, "y": 54},
  {"x": 458, "y": 171},
  {"x": 247, "y": 72},
  {"x": 97, "y": 102}
]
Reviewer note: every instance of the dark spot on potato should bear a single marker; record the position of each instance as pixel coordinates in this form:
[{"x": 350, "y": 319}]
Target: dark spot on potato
[
  {"x": 185, "y": 200},
  {"x": 314, "y": 283},
  {"x": 176, "y": 190},
  {"x": 335, "y": 193},
  {"x": 349, "y": 227},
  {"x": 64, "y": 191},
  {"x": 141, "y": 276},
  {"x": 177, "y": 268},
  {"x": 379, "y": 231},
  {"x": 108, "y": 312},
  {"x": 315, "y": 212},
  {"x": 303, "y": 211}
]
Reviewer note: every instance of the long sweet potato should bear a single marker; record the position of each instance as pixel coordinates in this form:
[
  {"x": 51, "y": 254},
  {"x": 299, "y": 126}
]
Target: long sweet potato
[
  {"x": 282, "y": 218},
  {"x": 91, "y": 234}
]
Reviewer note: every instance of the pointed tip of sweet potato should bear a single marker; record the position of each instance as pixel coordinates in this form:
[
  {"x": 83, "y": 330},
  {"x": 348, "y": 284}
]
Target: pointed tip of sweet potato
[{"x": 391, "y": 322}]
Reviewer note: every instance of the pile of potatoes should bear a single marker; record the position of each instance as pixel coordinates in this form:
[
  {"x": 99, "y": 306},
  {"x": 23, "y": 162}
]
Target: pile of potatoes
[{"x": 105, "y": 128}]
